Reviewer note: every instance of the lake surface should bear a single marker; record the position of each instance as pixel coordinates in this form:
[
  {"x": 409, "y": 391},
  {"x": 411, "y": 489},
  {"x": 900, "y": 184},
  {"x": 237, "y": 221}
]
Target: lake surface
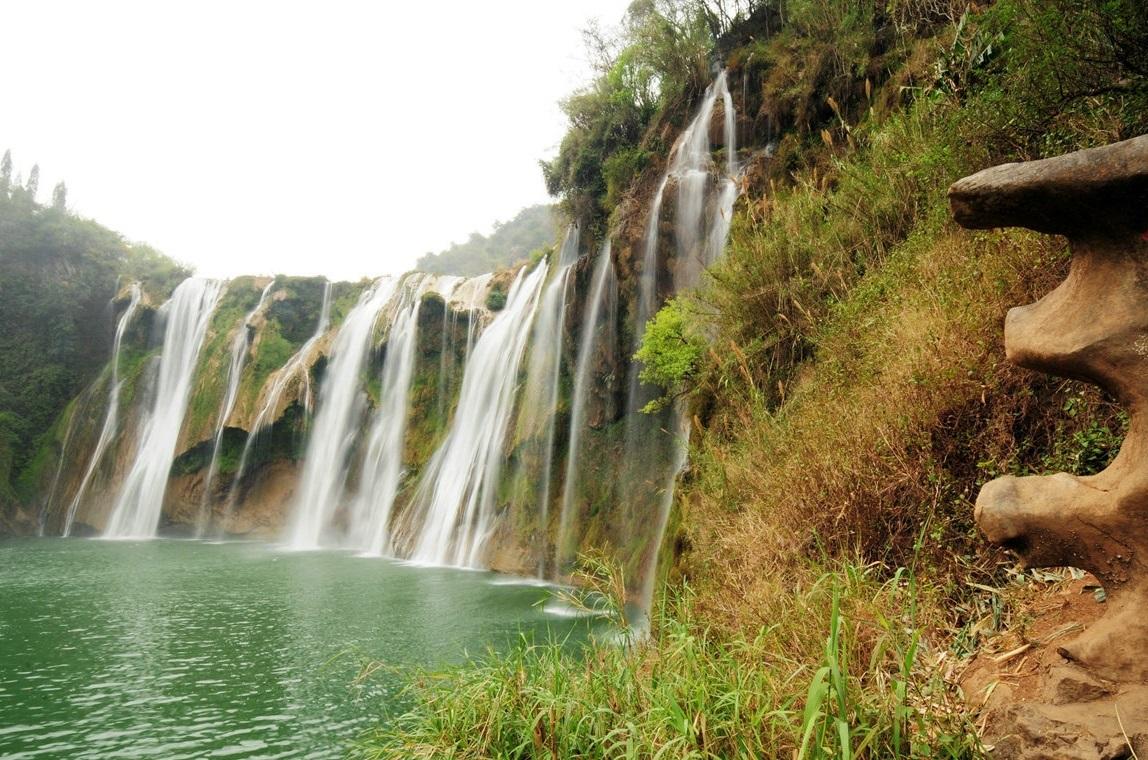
[{"x": 180, "y": 649}]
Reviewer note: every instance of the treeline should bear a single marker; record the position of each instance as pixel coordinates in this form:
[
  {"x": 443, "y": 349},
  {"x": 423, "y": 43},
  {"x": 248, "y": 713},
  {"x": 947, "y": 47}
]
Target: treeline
[
  {"x": 58, "y": 274},
  {"x": 532, "y": 228}
]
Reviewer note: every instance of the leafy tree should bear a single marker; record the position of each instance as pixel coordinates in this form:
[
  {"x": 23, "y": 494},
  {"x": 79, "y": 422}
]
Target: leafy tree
[
  {"x": 670, "y": 353},
  {"x": 60, "y": 196},
  {"x": 58, "y": 273},
  {"x": 509, "y": 243},
  {"x": 656, "y": 63},
  {"x": 33, "y": 185},
  {"x": 6, "y": 172}
]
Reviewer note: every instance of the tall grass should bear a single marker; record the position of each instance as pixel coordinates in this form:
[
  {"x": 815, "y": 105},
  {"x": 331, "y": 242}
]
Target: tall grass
[
  {"x": 854, "y": 399},
  {"x": 845, "y": 670}
]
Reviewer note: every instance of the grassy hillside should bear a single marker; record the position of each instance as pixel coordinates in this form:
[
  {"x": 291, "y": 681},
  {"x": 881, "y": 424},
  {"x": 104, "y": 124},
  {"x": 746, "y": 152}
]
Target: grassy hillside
[
  {"x": 849, "y": 396},
  {"x": 509, "y": 243}
]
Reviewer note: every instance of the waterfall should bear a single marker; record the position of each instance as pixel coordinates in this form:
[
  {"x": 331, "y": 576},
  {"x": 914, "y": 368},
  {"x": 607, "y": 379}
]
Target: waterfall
[
  {"x": 188, "y": 314},
  {"x": 457, "y": 493},
  {"x": 599, "y": 335},
  {"x": 507, "y": 392},
  {"x": 382, "y": 464},
  {"x": 540, "y": 398},
  {"x": 276, "y": 385},
  {"x": 470, "y": 295},
  {"x": 46, "y": 505},
  {"x": 655, "y": 444},
  {"x": 341, "y": 403},
  {"x": 239, "y": 347},
  {"x": 111, "y": 418},
  {"x": 694, "y": 170},
  {"x": 446, "y": 288}
]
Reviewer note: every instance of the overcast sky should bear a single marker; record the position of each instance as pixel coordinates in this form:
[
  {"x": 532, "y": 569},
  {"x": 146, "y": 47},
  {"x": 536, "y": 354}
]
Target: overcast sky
[{"x": 338, "y": 138}]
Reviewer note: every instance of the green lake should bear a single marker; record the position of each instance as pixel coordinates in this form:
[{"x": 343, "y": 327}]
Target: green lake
[{"x": 181, "y": 649}]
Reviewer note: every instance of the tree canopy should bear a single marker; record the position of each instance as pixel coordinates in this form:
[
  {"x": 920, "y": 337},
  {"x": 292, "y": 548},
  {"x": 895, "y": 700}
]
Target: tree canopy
[{"x": 511, "y": 242}]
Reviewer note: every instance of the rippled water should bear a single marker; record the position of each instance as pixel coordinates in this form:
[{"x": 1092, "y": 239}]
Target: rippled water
[{"x": 180, "y": 649}]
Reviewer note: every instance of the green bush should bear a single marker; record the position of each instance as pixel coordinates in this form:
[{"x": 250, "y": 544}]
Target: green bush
[
  {"x": 496, "y": 299},
  {"x": 653, "y": 68},
  {"x": 670, "y": 353}
]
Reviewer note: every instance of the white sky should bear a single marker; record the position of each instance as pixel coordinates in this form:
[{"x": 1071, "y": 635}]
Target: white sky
[{"x": 339, "y": 138}]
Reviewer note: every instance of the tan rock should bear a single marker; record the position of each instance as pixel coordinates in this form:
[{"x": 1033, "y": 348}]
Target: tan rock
[{"x": 1093, "y": 327}]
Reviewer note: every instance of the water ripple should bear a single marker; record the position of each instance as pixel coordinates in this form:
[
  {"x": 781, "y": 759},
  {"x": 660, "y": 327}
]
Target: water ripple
[{"x": 171, "y": 649}]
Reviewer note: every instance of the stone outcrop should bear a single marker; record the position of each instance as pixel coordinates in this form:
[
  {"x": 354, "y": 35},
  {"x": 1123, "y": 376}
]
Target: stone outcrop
[{"x": 1092, "y": 327}]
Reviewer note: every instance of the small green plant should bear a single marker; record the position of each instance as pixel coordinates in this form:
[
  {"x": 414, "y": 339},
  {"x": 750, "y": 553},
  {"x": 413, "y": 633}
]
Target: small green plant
[
  {"x": 496, "y": 299},
  {"x": 670, "y": 353},
  {"x": 599, "y": 590}
]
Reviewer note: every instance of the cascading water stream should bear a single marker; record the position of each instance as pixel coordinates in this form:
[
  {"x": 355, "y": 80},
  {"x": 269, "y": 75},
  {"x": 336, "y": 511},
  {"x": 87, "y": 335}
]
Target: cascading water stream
[
  {"x": 353, "y": 469},
  {"x": 111, "y": 419},
  {"x": 138, "y": 507},
  {"x": 341, "y": 402},
  {"x": 656, "y": 443},
  {"x": 540, "y": 398},
  {"x": 239, "y": 347},
  {"x": 599, "y": 335},
  {"x": 695, "y": 173},
  {"x": 383, "y": 462},
  {"x": 46, "y": 506},
  {"x": 456, "y": 495},
  {"x": 446, "y": 288},
  {"x": 277, "y": 384},
  {"x": 471, "y": 294}
]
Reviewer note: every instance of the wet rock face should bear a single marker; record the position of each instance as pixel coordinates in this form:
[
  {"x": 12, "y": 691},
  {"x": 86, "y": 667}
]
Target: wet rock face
[{"x": 1092, "y": 327}]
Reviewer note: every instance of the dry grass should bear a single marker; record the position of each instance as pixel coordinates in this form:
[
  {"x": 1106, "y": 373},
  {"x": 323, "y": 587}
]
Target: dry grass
[{"x": 860, "y": 455}]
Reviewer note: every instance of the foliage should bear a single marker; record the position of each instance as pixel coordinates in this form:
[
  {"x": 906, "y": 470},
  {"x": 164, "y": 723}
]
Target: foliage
[
  {"x": 850, "y": 395},
  {"x": 650, "y": 68},
  {"x": 58, "y": 273},
  {"x": 156, "y": 273},
  {"x": 496, "y": 299},
  {"x": 857, "y": 395},
  {"x": 1070, "y": 73},
  {"x": 670, "y": 353},
  {"x": 510, "y": 243},
  {"x": 296, "y": 314},
  {"x": 846, "y": 669}
]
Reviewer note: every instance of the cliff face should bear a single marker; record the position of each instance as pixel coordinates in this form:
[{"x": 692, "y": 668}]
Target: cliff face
[
  {"x": 239, "y": 475},
  {"x": 568, "y": 462}
]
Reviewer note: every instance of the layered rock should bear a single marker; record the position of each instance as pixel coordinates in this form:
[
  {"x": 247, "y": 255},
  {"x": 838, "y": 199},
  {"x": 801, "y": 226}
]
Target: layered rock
[{"x": 1093, "y": 327}]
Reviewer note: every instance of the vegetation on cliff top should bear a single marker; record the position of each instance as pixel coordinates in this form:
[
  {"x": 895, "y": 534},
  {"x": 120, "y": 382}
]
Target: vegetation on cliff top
[
  {"x": 850, "y": 395},
  {"x": 508, "y": 244}
]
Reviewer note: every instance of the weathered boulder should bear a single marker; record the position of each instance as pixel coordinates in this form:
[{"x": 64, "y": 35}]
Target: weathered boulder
[{"x": 1092, "y": 327}]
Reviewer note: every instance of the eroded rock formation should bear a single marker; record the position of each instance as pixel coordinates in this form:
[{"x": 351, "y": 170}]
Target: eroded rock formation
[{"x": 1092, "y": 327}]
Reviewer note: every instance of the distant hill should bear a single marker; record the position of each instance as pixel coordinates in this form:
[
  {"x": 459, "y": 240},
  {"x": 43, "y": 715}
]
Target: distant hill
[{"x": 509, "y": 243}]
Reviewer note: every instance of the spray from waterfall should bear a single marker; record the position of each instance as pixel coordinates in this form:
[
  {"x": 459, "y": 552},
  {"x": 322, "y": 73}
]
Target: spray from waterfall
[
  {"x": 111, "y": 418},
  {"x": 457, "y": 492},
  {"x": 382, "y": 465},
  {"x": 540, "y": 398},
  {"x": 140, "y": 502},
  {"x": 341, "y": 403},
  {"x": 239, "y": 348}
]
